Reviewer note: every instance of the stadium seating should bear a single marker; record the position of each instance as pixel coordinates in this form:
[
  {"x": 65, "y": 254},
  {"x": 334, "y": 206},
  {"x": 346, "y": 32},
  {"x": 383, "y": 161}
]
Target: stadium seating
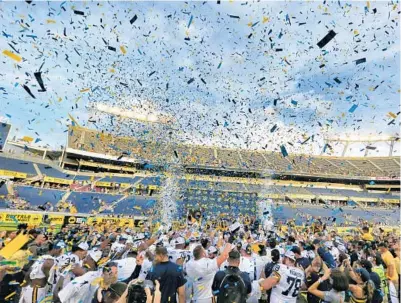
[
  {"x": 293, "y": 190},
  {"x": 252, "y": 161},
  {"x": 346, "y": 214},
  {"x": 220, "y": 193},
  {"x": 38, "y": 196},
  {"x": 117, "y": 179},
  {"x": 3, "y": 195},
  {"x": 151, "y": 181},
  {"x": 82, "y": 178},
  {"x": 207, "y": 157},
  {"x": 203, "y": 157},
  {"x": 387, "y": 165},
  {"x": 85, "y": 202},
  {"x": 52, "y": 172},
  {"x": 3, "y": 189},
  {"x": 134, "y": 205},
  {"x": 214, "y": 202},
  {"x": 228, "y": 158},
  {"x": 15, "y": 165},
  {"x": 277, "y": 162}
]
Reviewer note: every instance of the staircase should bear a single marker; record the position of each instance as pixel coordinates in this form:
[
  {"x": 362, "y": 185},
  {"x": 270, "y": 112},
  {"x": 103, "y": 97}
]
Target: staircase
[
  {"x": 10, "y": 188},
  {"x": 65, "y": 196}
]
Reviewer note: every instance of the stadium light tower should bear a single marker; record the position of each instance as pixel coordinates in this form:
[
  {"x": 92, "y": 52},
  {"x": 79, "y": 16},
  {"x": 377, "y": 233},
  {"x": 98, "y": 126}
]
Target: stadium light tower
[{"x": 347, "y": 141}]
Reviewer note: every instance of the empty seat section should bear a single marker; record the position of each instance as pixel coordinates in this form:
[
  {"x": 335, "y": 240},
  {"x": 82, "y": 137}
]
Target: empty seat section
[
  {"x": 38, "y": 196},
  {"x": 3, "y": 189},
  {"x": 85, "y": 202},
  {"x": 52, "y": 172},
  {"x": 135, "y": 205},
  {"x": 21, "y": 166},
  {"x": 146, "y": 181},
  {"x": 116, "y": 179}
]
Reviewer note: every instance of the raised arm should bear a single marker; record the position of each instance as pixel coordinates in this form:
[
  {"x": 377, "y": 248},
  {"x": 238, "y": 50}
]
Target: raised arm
[
  {"x": 224, "y": 255},
  {"x": 313, "y": 288}
]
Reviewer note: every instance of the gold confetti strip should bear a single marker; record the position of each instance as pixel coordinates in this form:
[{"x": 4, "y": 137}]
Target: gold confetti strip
[{"x": 12, "y": 55}]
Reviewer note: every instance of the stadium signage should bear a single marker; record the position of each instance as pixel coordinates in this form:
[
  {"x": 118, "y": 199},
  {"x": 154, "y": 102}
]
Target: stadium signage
[
  {"x": 32, "y": 219},
  {"x": 103, "y": 184},
  {"x": 9, "y": 173},
  {"x": 56, "y": 219},
  {"x": 386, "y": 178},
  {"x": 122, "y": 222},
  {"x": 57, "y": 180},
  {"x": 74, "y": 220}
]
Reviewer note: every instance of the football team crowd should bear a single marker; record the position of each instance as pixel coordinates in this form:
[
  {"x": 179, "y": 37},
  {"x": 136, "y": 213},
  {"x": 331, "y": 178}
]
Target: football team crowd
[{"x": 244, "y": 263}]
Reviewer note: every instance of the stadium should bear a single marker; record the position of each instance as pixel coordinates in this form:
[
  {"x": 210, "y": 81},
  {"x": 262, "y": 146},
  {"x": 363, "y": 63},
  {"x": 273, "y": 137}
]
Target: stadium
[{"x": 98, "y": 174}]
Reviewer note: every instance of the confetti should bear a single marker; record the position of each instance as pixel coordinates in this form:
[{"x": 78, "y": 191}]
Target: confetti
[
  {"x": 353, "y": 108},
  {"x": 38, "y": 76},
  {"x": 133, "y": 19},
  {"x": 12, "y": 55},
  {"x": 283, "y": 151},
  {"x": 190, "y": 21},
  {"x": 360, "y": 61},
  {"x": 28, "y": 90},
  {"x": 322, "y": 43}
]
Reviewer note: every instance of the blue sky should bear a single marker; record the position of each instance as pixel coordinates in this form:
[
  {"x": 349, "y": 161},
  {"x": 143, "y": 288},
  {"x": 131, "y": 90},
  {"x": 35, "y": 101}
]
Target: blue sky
[{"x": 230, "y": 50}]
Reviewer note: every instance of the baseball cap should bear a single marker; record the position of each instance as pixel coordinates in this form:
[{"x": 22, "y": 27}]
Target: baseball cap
[
  {"x": 59, "y": 244},
  {"x": 248, "y": 249},
  {"x": 119, "y": 288},
  {"x": 290, "y": 255},
  {"x": 179, "y": 240},
  {"x": 212, "y": 250},
  {"x": 139, "y": 236},
  {"x": 234, "y": 255},
  {"x": 95, "y": 254},
  {"x": 296, "y": 250},
  {"x": 363, "y": 273},
  {"x": 366, "y": 264},
  {"x": 83, "y": 246},
  {"x": 234, "y": 227}
]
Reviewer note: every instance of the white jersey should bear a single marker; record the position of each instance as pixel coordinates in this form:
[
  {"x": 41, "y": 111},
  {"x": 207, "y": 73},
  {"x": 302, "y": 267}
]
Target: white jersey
[
  {"x": 289, "y": 285},
  {"x": 175, "y": 254},
  {"x": 248, "y": 265},
  {"x": 62, "y": 268},
  {"x": 81, "y": 289},
  {"x": 260, "y": 263},
  {"x": 125, "y": 268},
  {"x": 335, "y": 253}
]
